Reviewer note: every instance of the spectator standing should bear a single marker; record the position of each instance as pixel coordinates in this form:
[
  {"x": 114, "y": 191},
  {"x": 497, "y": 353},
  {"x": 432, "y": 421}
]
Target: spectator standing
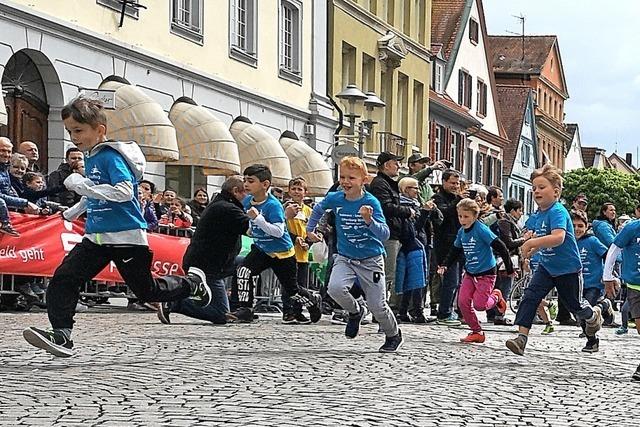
[
  {"x": 30, "y": 150},
  {"x": 385, "y": 188},
  {"x": 162, "y": 202},
  {"x": 198, "y": 204},
  {"x": 604, "y": 226},
  {"x": 580, "y": 202},
  {"x": 8, "y": 196},
  {"x": 148, "y": 212},
  {"x": 419, "y": 169},
  {"x": 55, "y": 179},
  {"x": 176, "y": 217},
  {"x": 224, "y": 222},
  {"x": 447, "y": 199}
]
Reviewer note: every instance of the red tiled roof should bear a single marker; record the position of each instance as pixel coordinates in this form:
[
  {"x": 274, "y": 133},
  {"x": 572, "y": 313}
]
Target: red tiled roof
[
  {"x": 588, "y": 156},
  {"x": 506, "y": 53},
  {"x": 446, "y": 16},
  {"x": 512, "y": 101},
  {"x": 448, "y": 103}
]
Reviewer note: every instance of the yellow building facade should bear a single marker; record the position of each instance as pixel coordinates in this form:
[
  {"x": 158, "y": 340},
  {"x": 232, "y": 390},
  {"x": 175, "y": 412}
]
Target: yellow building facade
[{"x": 382, "y": 46}]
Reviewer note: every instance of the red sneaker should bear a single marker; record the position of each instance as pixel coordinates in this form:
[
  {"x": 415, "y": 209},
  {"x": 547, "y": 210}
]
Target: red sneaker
[
  {"x": 473, "y": 337},
  {"x": 501, "y": 304}
]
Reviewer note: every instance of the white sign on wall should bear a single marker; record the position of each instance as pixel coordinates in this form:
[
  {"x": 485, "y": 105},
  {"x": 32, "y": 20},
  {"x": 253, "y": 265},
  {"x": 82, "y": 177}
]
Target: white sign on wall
[{"x": 107, "y": 97}]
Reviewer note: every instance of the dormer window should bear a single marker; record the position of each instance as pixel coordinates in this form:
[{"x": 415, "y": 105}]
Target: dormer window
[
  {"x": 474, "y": 30},
  {"x": 438, "y": 76}
]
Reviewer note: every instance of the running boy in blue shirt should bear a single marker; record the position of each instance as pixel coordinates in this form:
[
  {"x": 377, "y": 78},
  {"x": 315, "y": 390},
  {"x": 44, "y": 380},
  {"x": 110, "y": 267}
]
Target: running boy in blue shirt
[
  {"x": 115, "y": 230},
  {"x": 361, "y": 230},
  {"x": 559, "y": 261},
  {"x": 626, "y": 242},
  {"x": 272, "y": 246}
]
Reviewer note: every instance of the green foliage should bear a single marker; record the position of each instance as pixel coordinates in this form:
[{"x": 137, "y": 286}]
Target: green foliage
[{"x": 601, "y": 186}]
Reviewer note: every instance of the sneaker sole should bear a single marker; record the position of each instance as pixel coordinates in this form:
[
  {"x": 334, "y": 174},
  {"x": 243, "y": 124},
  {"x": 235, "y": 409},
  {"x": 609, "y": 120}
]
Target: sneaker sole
[
  {"x": 164, "y": 319},
  {"x": 590, "y": 351},
  {"x": 514, "y": 348},
  {"x": 337, "y": 322},
  {"x": 289, "y": 322},
  {"x": 38, "y": 341}
]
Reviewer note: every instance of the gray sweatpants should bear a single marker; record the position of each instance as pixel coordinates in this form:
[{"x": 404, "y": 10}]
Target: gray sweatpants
[{"x": 370, "y": 275}]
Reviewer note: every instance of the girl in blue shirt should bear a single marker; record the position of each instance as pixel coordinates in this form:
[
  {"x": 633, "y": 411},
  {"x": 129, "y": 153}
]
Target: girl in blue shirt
[
  {"x": 361, "y": 229},
  {"x": 559, "y": 263},
  {"x": 475, "y": 241}
]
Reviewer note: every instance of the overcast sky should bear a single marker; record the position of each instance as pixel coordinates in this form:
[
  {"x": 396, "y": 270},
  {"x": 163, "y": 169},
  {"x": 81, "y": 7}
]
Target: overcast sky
[{"x": 600, "y": 49}]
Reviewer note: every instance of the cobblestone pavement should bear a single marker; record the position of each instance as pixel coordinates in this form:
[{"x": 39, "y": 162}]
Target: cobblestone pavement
[{"x": 131, "y": 370}]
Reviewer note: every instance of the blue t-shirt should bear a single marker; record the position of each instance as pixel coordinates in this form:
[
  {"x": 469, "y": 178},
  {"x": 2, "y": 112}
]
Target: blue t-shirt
[
  {"x": 591, "y": 253},
  {"x": 107, "y": 166},
  {"x": 562, "y": 259},
  {"x": 530, "y": 224},
  {"x": 604, "y": 231},
  {"x": 273, "y": 212},
  {"x": 629, "y": 240},
  {"x": 356, "y": 240},
  {"x": 476, "y": 243}
]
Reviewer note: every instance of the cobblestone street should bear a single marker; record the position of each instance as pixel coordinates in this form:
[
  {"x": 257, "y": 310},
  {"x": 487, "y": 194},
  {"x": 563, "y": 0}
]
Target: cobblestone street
[{"x": 131, "y": 370}]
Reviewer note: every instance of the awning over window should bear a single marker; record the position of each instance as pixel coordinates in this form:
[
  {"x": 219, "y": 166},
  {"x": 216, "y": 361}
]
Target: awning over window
[
  {"x": 139, "y": 118},
  {"x": 3, "y": 111},
  {"x": 203, "y": 139},
  {"x": 257, "y": 146},
  {"x": 307, "y": 163}
]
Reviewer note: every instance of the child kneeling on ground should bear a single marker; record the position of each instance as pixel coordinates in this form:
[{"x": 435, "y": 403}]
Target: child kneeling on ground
[
  {"x": 361, "y": 229},
  {"x": 475, "y": 241}
]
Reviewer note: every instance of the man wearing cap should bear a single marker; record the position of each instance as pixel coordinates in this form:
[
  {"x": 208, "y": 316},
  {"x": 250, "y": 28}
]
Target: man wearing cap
[
  {"x": 580, "y": 202},
  {"x": 419, "y": 170},
  {"x": 385, "y": 188}
]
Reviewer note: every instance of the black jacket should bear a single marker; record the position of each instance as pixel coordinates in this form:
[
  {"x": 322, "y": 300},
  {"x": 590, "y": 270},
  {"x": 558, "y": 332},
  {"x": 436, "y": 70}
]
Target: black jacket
[
  {"x": 445, "y": 234},
  {"x": 218, "y": 237},
  {"x": 386, "y": 191},
  {"x": 509, "y": 233},
  {"x": 55, "y": 180}
]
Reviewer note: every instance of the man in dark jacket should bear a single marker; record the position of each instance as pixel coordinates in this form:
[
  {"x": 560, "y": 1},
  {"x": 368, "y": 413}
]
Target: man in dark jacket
[
  {"x": 214, "y": 247},
  {"x": 446, "y": 200},
  {"x": 385, "y": 189},
  {"x": 57, "y": 177}
]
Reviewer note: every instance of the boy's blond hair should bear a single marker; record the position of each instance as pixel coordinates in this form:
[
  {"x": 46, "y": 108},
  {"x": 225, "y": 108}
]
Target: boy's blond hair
[
  {"x": 299, "y": 182},
  {"x": 19, "y": 158},
  {"x": 405, "y": 182},
  {"x": 469, "y": 205},
  {"x": 352, "y": 162},
  {"x": 551, "y": 174}
]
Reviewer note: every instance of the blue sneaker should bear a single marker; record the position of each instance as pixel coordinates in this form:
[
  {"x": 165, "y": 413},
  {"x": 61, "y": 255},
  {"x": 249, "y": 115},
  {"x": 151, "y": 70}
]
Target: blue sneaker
[
  {"x": 452, "y": 320},
  {"x": 622, "y": 330},
  {"x": 353, "y": 324}
]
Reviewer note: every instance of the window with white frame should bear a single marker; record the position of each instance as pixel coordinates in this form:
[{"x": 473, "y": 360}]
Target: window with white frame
[
  {"x": 438, "y": 74},
  {"x": 243, "y": 31},
  {"x": 290, "y": 30},
  {"x": 186, "y": 20},
  {"x": 525, "y": 155}
]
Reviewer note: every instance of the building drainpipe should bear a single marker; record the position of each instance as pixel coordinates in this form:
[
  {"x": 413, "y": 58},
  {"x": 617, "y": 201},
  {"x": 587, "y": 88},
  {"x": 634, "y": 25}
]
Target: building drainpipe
[{"x": 330, "y": 85}]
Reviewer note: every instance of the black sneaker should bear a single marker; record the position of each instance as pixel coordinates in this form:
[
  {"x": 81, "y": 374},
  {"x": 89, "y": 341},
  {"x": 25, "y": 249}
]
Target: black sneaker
[
  {"x": 636, "y": 374},
  {"x": 353, "y": 323},
  {"x": 419, "y": 318},
  {"x": 592, "y": 346},
  {"x": 289, "y": 319},
  {"x": 403, "y": 318},
  {"x": 243, "y": 315},
  {"x": 313, "y": 304},
  {"x": 51, "y": 341},
  {"x": 200, "y": 291},
  {"x": 164, "y": 311},
  {"x": 517, "y": 345},
  {"x": 339, "y": 318},
  {"x": 301, "y": 319},
  {"x": 392, "y": 344},
  {"x": 7, "y": 228}
]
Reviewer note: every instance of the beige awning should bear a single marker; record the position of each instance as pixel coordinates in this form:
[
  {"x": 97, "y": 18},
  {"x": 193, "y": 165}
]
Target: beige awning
[
  {"x": 257, "y": 146},
  {"x": 203, "y": 139},
  {"x": 307, "y": 163},
  {"x": 3, "y": 111},
  {"x": 139, "y": 118}
]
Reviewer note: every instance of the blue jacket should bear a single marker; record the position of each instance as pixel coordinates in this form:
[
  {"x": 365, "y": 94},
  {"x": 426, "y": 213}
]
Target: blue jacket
[
  {"x": 604, "y": 231},
  {"x": 7, "y": 193}
]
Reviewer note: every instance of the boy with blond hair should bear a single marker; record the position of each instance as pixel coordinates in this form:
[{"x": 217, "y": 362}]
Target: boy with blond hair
[{"x": 361, "y": 230}]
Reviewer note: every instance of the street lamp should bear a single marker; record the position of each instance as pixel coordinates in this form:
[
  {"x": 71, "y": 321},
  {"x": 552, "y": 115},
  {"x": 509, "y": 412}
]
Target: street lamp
[{"x": 371, "y": 101}]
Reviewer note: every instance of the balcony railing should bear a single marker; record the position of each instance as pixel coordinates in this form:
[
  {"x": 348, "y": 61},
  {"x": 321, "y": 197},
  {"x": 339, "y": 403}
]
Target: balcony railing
[{"x": 392, "y": 143}]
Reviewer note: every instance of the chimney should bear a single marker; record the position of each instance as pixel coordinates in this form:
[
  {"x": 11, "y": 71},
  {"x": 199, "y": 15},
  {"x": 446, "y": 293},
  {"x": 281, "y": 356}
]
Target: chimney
[{"x": 629, "y": 159}]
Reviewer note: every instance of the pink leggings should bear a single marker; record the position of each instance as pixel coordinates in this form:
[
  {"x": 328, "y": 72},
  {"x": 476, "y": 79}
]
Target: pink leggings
[{"x": 477, "y": 290}]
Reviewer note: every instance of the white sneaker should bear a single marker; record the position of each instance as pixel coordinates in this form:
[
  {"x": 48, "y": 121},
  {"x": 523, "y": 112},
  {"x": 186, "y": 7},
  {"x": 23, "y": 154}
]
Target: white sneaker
[{"x": 81, "y": 308}]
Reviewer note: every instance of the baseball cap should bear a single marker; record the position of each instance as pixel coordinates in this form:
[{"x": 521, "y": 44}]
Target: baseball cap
[
  {"x": 417, "y": 157},
  {"x": 581, "y": 198},
  {"x": 385, "y": 156}
]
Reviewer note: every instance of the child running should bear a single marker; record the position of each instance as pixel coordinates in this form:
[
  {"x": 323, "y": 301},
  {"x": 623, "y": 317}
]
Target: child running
[
  {"x": 272, "y": 247},
  {"x": 559, "y": 265},
  {"x": 592, "y": 255},
  {"x": 475, "y": 241},
  {"x": 361, "y": 229},
  {"x": 115, "y": 230},
  {"x": 626, "y": 242}
]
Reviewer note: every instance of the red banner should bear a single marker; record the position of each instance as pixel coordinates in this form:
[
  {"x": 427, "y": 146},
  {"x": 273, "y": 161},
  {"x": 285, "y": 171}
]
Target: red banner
[{"x": 44, "y": 241}]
